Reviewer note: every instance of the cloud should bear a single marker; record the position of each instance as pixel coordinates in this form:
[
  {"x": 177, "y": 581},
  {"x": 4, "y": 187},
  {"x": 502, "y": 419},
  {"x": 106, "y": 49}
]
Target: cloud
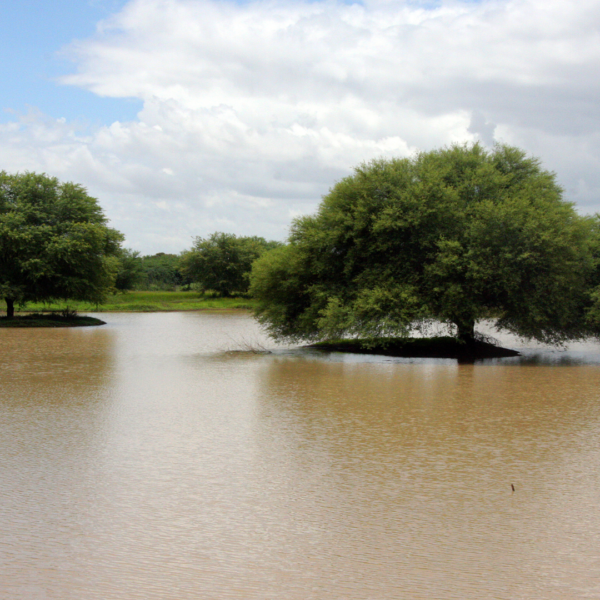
[
  {"x": 252, "y": 111},
  {"x": 481, "y": 128}
]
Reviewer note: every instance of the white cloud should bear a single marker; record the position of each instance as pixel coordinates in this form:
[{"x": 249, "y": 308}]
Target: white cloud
[{"x": 251, "y": 112}]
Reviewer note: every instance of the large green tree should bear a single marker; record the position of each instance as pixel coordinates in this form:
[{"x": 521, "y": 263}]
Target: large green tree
[
  {"x": 453, "y": 235},
  {"x": 54, "y": 242},
  {"x": 222, "y": 261}
]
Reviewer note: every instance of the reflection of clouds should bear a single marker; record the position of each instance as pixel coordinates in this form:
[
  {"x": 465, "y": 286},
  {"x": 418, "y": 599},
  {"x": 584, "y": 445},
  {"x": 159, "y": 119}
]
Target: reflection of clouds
[
  {"x": 556, "y": 358},
  {"x": 251, "y": 111}
]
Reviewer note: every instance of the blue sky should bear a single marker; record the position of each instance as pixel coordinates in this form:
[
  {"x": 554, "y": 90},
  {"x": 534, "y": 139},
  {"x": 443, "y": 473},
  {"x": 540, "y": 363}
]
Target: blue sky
[
  {"x": 32, "y": 34},
  {"x": 185, "y": 117}
]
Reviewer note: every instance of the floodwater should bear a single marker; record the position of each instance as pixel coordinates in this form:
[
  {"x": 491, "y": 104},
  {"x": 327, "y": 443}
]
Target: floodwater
[{"x": 148, "y": 459}]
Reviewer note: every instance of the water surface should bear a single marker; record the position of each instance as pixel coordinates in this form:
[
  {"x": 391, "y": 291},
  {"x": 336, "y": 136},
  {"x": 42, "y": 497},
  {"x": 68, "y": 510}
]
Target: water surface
[{"x": 145, "y": 459}]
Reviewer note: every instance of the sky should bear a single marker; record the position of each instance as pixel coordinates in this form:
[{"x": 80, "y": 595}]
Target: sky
[{"x": 185, "y": 117}]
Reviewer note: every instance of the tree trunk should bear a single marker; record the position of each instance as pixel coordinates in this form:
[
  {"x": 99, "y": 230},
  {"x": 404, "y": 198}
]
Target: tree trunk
[
  {"x": 10, "y": 308},
  {"x": 466, "y": 331}
]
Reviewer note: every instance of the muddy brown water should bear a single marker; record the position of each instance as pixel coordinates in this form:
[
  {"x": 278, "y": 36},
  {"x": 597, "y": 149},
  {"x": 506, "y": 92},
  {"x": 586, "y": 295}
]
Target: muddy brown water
[{"x": 148, "y": 459}]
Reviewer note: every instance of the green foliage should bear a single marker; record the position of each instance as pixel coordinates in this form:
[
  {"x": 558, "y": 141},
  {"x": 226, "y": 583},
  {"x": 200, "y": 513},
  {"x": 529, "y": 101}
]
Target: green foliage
[
  {"x": 161, "y": 272},
  {"x": 222, "y": 262},
  {"x": 129, "y": 273},
  {"x": 593, "y": 310},
  {"x": 455, "y": 235},
  {"x": 54, "y": 241}
]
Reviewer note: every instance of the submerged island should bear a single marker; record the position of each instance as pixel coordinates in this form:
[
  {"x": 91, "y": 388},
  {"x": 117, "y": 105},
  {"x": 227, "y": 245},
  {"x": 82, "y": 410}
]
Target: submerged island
[
  {"x": 433, "y": 347},
  {"x": 50, "y": 320}
]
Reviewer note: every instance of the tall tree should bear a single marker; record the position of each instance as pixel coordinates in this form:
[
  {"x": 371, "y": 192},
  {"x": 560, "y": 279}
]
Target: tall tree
[
  {"x": 222, "y": 261},
  {"x": 129, "y": 271},
  {"x": 454, "y": 235},
  {"x": 54, "y": 242}
]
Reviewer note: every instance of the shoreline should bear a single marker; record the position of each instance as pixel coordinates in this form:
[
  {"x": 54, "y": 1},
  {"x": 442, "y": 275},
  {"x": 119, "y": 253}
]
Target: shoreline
[{"x": 134, "y": 301}]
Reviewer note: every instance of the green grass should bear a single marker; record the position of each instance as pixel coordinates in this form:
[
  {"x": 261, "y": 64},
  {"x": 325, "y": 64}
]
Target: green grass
[
  {"x": 144, "y": 302},
  {"x": 49, "y": 320}
]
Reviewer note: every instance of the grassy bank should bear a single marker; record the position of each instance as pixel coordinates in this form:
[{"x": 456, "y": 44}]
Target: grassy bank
[
  {"x": 144, "y": 302},
  {"x": 49, "y": 320},
  {"x": 435, "y": 347}
]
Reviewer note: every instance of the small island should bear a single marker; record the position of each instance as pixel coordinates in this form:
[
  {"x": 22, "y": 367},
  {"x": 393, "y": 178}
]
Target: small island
[
  {"x": 433, "y": 347},
  {"x": 50, "y": 320}
]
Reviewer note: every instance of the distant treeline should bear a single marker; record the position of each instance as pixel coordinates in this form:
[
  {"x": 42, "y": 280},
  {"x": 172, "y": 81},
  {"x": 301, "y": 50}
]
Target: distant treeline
[
  {"x": 220, "y": 263},
  {"x": 157, "y": 272}
]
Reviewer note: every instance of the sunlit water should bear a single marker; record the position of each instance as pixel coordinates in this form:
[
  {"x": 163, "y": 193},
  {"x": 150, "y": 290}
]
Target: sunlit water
[{"x": 145, "y": 459}]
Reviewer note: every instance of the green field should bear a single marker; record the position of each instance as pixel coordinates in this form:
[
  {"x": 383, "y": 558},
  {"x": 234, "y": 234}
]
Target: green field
[{"x": 143, "y": 302}]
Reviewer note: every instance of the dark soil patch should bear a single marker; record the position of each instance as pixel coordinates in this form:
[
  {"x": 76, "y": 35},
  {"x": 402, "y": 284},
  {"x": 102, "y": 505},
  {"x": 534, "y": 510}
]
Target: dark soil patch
[
  {"x": 49, "y": 320},
  {"x": 436, "y": 347}
]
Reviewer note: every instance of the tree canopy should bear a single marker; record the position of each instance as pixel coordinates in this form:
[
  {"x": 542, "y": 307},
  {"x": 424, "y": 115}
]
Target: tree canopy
[
  {"x": 161, "y": 272},
  {"x": 222, "y": 261},
  {"x": 129, "y": 270},
  {"x": 54, "y": 242},
  {"x": 453, "y": 235}
]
